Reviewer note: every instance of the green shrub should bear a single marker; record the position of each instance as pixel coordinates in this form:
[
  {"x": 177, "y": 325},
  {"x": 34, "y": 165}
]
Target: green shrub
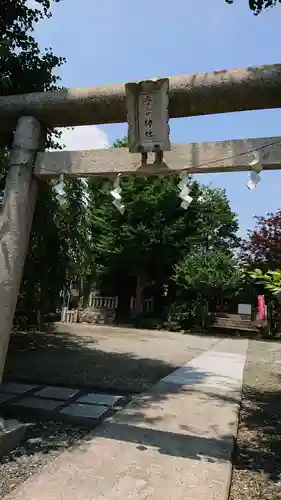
[
  {"x": 181, "y": 316},
  {"x": 147, "y": 321}
]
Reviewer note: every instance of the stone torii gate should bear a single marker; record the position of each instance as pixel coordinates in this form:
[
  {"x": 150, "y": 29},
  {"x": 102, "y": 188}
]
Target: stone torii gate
[{"x": 189, "y": 95}]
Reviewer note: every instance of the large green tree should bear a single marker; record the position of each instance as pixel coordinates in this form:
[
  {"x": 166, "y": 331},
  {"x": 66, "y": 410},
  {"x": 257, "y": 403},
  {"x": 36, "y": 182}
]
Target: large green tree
[
  {"x": 24, "y": 68},
  {"x": 46, "y": 264},
  {"x": 73, "y": 224},
  {"x": 210, "y": 273},
  {"x": 139, "y": 249}
]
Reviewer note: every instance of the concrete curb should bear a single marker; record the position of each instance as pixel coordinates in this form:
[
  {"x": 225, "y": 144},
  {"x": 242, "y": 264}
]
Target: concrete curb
[{"x": 12, "y": 434}]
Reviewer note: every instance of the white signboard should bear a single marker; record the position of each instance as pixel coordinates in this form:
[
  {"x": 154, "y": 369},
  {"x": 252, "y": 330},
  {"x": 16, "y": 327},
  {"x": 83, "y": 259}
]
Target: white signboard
[
  {"x": 245, "y": 309},
  {"x": 148, "y": 116}
]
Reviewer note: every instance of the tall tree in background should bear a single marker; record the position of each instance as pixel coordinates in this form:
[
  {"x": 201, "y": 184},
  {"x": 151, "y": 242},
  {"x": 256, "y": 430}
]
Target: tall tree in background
[
  {"x": 46, "y": 262},
  {"x": 258, "y": 5},
  {"x": 24, "y": 68},
  {"x": 210, "y": 273},
  {"x": 139, "y": 250},
  {"x": 72, "y": 218},
  {"x": 262, "y": 249}
]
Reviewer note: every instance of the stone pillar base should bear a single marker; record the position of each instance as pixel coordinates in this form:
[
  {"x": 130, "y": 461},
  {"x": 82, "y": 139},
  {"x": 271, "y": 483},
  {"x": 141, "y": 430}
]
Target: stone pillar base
[{"x": 11, "y": 434}]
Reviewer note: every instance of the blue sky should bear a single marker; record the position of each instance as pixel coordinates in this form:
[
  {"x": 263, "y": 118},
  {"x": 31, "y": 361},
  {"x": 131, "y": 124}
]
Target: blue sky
[{"x": 125, "y": 40}]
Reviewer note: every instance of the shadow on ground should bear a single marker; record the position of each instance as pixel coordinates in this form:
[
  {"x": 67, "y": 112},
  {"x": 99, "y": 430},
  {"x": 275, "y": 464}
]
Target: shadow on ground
[
  {"x": 64, "y": 359},
  {"x": 261, "y": 420},
  {"x": 47, "y": 358},
  {"x": 44, "y": 440},
  {"x": 257, "y": 460},
  {"x": 67, "y": 359}
]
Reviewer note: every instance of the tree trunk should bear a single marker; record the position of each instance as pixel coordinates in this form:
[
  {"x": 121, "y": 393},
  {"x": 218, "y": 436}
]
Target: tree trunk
[
  {"x": 86, "y": 292},
  {"x": 124, "y": 289},
  {"x": 203, "y": 312},
  {"x": 203, "y": 317},
  {"x": 40, "y": 319},
  {"x": 140, "y": 286},
  {"x": 41, "y": 308}
]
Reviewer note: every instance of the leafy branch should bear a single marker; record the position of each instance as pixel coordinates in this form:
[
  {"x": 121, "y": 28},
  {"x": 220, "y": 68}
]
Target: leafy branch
[
  {"x": 271, "y": 280},
  {"x": 258, "y": 5}
]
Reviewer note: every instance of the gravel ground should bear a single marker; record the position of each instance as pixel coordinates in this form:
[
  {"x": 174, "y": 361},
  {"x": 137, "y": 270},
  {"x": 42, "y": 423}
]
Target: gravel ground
[
  {"x": 124, "y": 360},
  {"x": 116, "y": 359},
  {"x": 44, "y": 441},
  {"x": 257, "y": 462}
]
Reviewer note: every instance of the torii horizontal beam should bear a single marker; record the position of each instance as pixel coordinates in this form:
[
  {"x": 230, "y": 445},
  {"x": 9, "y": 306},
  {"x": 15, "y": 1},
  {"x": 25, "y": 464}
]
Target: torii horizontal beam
[
  {"x": 206, "y": 93},
  {"x": 201, "y": 157}
]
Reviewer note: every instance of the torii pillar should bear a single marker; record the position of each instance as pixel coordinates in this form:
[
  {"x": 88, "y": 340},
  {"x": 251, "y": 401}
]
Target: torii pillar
[{"x": 15, "y": 223}]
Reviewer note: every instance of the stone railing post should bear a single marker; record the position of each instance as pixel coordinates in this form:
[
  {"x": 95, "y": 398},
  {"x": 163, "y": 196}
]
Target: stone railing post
[{"x": 15, "y": 223}]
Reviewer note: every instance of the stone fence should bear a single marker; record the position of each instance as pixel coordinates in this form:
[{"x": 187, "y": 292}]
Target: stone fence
[{"x": 101, "y": 310}]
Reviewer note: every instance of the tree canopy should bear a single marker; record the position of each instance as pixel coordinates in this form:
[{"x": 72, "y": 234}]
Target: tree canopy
[
  {"x": 258, "y": 5},
  {"x": 263, "y": 245},
  {"x": 139, "y": 250},
  {"x": 25, "y": 68},
  {"x": 271, "y": 280},
  {"x": 209, "y": 272},
  {"x": 80, "y": 234}
]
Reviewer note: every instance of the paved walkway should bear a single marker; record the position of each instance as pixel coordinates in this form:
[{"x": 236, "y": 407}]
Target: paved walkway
[{"x": 173, "y": 442}]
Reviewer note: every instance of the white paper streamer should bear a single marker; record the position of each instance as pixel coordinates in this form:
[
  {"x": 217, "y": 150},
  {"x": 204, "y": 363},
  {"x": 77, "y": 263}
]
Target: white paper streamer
[
  {"x": 184, "y": 191},
  {"x": 256, "y": 167},
  {"x": 116, "y": 194}
]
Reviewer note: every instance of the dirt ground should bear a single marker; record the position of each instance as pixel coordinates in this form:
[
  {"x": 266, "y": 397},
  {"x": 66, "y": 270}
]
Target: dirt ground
[
  {"x": 257, "y": 462},
  {"x": 125, "y": 360},
  {"x": 118, "y": 359},
  {"x": 121, "y": 360}
]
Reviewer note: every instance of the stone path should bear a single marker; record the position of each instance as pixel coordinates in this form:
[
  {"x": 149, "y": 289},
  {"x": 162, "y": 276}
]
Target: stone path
[
  {"x": 173, "y": 442},
  {"x": 71, "y": 404}
]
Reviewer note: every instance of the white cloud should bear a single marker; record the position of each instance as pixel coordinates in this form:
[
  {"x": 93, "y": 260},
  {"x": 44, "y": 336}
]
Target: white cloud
[
  {"x": 32, "y": 4},
  {"x": 84, "y": 137}
]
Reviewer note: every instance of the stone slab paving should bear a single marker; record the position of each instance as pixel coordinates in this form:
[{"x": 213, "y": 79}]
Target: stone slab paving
[
  {"x": 173, "y": 442},
  {"x": 4, "y": 397},
  {"x": 17, "y": 388},
  {"x": 48, "y": 405},
  {"x": 58, "y": 403},
  {"x": 101, "y": 399},
  {"x": 86, "y": 411},
  {"x": 61, "y": 393}
]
